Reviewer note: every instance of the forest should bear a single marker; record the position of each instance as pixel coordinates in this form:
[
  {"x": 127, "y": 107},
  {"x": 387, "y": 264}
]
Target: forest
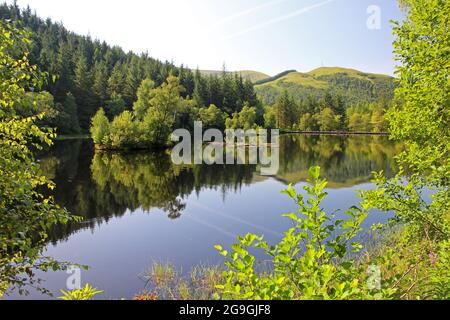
[
  {"x": 85, "y": 75},
  {"x": 87, "y": 78}
]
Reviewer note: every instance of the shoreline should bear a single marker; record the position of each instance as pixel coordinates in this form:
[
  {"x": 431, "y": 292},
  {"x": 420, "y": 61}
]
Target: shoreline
[{"x": 337, "y": 133}]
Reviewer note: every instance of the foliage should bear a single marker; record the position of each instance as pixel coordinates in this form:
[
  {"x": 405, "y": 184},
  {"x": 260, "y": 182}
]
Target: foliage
[
  {"x": 312, "y": 261},
  {"x": 145, "y": 94},
  {"x": 328, "y": 120},
  {"x": 100, "y": 128},
  {"x": 123, "y": 132},
  {"x": 328, "y": 113},
  {"x": 86, "y": 293},
  {"x": 150, "y": 123},
  {"x": 286, "y": 110},
  {"x": 67, "y": 121},
  {"x": 25, "y": 214},
  {"x": 367, "y": 117},
  {"x": 212, "y": 117},
  {"x": 97, "y": 74},
  {"x": 243, "y": 120},
  {"x": 419, "y": 195},
  {"x": 114, "y": 106},
  {"x": 307, "y": 122},
  {"x": 270, "y": 118}
]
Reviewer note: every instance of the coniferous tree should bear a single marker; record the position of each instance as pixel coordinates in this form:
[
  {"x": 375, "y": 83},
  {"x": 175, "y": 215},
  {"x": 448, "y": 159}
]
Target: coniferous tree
[
  {"x": 83, "y": 92},
  {"x": 116, "y": 80},
  {"x": 100, "y": 82}
]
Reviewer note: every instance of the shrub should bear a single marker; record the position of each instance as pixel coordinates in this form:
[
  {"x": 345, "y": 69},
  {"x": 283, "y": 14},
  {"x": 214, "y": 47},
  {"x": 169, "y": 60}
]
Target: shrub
[
  {"x": 310, "y": 262},
  {"x": 100, "y": 128},
  {"x": 86, "y": 293}
]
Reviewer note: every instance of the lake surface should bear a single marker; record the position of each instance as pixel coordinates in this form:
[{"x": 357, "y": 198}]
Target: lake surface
[{"x": 139, "y": 208}]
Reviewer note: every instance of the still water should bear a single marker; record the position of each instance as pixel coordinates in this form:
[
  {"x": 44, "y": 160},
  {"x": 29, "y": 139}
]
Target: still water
[{"x": 139, "y": 208}]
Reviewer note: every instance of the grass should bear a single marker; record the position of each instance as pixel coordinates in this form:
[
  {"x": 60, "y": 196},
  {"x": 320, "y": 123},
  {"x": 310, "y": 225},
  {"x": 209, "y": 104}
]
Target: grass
[
  {"x": 326, "y": 71},
  {"x": 410, "y": 267},
  {"x": 303, "y": 79},
  {"x": 165, "y": 282}
]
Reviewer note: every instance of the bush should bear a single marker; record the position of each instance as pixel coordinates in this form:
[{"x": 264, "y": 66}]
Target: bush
[
  {"x": 86, "y": 293},
  {"x": 123, "y": 132},
  {"x": 100, "y": 129},
  {"x": 310, "y": 262}
]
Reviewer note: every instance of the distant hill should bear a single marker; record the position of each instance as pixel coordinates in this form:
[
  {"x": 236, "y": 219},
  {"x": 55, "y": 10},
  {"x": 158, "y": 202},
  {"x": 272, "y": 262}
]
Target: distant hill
[
  {"x": 355, "y": 86},
  {"x": 253, "y": 76}
]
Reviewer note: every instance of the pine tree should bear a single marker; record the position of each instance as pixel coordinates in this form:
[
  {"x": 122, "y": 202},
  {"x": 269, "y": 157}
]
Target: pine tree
[
  {"x": 100, "y": 84},
  {"x": 200, "y": 90},
  {"x": 64, "y": 72},
  {"x": 83, "y": 92},
  {"x": 116, "y": 81},
  {"x": 134, "y": 77},
  {"x": 286, "y": 111}
]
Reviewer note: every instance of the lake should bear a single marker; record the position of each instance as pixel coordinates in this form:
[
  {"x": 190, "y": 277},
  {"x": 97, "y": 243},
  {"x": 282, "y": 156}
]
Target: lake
[{"x": 139, "y": 208}]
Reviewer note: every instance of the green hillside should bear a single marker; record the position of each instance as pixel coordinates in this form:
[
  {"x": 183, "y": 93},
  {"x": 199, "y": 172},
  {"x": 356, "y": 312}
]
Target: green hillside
[
  {"x": 354, "y": 85},
  {"x": 253, "y": 76}
]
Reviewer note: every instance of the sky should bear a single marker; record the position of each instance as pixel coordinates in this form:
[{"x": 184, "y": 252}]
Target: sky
[{"x": 263, "y": 35}]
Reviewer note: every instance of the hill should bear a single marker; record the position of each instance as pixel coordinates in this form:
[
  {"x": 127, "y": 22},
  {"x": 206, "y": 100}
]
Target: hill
[
  {"x": 253, "y": 76},
  {"x": 355, "y": 86}
]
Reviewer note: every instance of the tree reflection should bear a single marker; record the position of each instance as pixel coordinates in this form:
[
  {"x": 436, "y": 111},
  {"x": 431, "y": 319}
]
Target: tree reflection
[{"x": 99, "y": 186}]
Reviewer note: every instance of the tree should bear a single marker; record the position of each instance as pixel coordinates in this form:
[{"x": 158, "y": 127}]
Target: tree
[
  {"x": 114, "y": 106},
  {"x": 420, "y": 118},
  {"x": 165, "y": 101},
  {"x": 116, "y": 80},
  {"x": 307, "y": 122},
  {"x": 100, "y": 128},
  {"x": 211, "y": 117},
  {"x": 133, "y": 79},
  {"x": 83, "y": 96},
  {"x": 144, "y": 94},
  {"x": 200, "y": 94},
  {"x": 123, "y": 131},
  {"x": 270, "y": 118},
  {"x": 64, "y": 72},
  {"x": 378, "y": 121},
  {"x": 328, "y": 120},
  {"x": 355, "y": 123},
  {"x": 247, "y": 117},
  {"x": 100, "y": 82},
  {"x": 229, "y": 104},
  {"x": 26, "y": 215},
  {"x": 286, "y": 110},
  {"x": 85, "y": 67},
  {"x": 150, "y": 123}
]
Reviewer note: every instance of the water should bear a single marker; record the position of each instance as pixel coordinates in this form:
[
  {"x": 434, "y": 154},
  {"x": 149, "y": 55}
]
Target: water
[{"x": 139, "y": 208}]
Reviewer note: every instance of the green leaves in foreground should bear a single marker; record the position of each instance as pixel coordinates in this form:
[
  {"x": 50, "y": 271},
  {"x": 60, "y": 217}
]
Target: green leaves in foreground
[
  {"x": 86, "y": 293},
  {"x": 311, "y": 261},
  {"x": 25, "y": 214}
]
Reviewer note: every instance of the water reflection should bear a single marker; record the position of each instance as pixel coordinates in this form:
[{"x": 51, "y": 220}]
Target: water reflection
[{"x": 99, "y": 186}]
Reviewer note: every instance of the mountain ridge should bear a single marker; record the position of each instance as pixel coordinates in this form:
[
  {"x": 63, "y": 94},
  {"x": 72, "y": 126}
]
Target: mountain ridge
[{"x": 354, "y": 85}]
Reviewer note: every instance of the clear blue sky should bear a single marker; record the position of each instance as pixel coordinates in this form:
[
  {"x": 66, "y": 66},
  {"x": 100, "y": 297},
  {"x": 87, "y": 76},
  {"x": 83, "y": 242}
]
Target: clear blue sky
[{"x": 265, "y": 35}]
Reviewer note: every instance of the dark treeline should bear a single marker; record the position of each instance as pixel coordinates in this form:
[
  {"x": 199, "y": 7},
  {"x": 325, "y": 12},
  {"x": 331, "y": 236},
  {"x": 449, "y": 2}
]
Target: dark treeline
[{"x": 86, "y": 75}]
